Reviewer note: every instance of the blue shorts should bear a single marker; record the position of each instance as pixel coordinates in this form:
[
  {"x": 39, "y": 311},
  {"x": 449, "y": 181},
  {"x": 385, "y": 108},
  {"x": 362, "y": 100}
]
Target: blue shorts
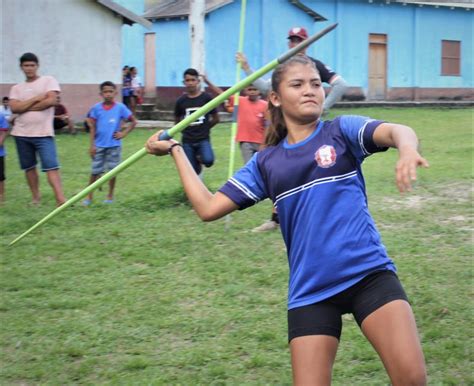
[
  {"x": 363, "y": 298},
  {"x": 106, "y": 157},
  {"x": 27, "y": 148}
]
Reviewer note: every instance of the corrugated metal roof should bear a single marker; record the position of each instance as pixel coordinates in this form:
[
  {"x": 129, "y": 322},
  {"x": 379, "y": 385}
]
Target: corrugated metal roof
[
  {"x": 168, "y": 9},
  {"x": 316, "y": 16},
  {"x": 128, "y": 16},
  {"x": 467, "y": 4}
]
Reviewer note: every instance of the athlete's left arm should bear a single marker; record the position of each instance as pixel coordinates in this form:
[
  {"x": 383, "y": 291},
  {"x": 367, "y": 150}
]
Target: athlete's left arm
[{"x": 405, "y": 140}]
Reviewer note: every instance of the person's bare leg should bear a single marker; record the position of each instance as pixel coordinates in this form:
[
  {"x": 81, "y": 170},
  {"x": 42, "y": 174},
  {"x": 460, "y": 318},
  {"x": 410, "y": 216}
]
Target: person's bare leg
[
  {"x": 110, "y": 196},
  {"x": 54, "y": 179},
  {"x": 33, "y": 182},
  {"x": 92, "y": 179},
  {"x": 70, "y": 125},
  {"x": 133, "y": 105},
  {"x": 391, "y": 329},
  {"x": 312, "y": 359}
]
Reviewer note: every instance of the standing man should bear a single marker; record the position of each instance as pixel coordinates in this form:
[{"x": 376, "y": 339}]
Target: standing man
[
  {"x": 196, "y": 137},
  {"x": 34, "y": 101},
  {"x": 295, "y": 36}
]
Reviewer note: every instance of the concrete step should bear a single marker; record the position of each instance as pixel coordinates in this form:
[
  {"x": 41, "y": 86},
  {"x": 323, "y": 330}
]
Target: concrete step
[{"x": 146, "y": 107}]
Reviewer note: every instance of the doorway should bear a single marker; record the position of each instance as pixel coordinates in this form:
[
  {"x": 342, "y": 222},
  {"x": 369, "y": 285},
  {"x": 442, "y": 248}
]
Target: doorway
[{"x": 377, "y": 67}]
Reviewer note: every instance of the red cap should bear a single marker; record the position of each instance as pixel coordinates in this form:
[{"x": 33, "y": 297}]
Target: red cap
[{"x": 299, "y": 32}]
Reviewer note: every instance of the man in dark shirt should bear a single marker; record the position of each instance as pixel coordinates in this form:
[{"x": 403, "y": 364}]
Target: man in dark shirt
[
  {"x": 295, "y": 36},
  {"x": 196, "y": 137},
  {"x": 62, "y": 119}
]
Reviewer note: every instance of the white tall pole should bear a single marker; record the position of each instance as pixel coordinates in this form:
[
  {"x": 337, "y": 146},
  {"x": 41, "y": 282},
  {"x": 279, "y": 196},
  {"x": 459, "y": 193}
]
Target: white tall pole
[{"x": 197, "y": 14}]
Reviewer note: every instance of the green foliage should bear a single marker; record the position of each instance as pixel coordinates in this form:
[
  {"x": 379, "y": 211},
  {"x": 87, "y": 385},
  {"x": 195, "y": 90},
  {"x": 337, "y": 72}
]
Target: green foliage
[{"x": 142, "y": 292}]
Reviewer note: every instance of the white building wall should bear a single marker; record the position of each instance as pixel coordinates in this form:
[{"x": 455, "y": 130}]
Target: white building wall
[{"x": 77, "y": 41}]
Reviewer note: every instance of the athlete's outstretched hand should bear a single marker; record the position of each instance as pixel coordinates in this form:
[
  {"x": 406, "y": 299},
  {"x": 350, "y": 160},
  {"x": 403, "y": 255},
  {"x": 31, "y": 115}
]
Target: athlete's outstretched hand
[{"x": 405, "y": 170}]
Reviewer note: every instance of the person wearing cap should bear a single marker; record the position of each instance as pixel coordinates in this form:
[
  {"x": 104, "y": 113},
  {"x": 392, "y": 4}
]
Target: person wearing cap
[{"x": 295, "y": 36}]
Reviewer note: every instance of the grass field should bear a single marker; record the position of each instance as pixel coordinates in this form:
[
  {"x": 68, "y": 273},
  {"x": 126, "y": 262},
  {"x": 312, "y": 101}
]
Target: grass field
[{"x": 141, "y": 292}]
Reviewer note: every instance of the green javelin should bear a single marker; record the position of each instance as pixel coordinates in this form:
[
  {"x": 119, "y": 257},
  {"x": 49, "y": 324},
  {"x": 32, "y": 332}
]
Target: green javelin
[
  {"x": 170, "y": 133},
  {"x": 233, "y": 128}
]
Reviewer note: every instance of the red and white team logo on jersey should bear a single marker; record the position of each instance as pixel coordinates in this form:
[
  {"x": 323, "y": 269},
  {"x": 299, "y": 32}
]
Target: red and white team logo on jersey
[{"x": 325, "y": 156}]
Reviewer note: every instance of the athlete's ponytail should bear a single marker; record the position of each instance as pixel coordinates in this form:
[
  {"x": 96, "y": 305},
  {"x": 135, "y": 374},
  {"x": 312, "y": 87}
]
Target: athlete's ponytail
[{"x": 277, "y": 129}]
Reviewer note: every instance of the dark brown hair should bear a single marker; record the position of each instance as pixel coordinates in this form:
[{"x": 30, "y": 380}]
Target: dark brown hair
[
  {"x": 277, "y": 129},
  {"x": 28, "y": 57},
  {"x": 107, "y": 83}
]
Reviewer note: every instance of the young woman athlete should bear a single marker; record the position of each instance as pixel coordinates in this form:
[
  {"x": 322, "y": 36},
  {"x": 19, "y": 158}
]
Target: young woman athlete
[{"x": 311, "y": 169}]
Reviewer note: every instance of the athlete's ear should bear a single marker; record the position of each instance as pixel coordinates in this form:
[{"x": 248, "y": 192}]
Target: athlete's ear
[{"x": 274, "y": 98}]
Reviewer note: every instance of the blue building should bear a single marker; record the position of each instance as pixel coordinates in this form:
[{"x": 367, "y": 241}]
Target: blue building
[{"x": 384, "y": 49}]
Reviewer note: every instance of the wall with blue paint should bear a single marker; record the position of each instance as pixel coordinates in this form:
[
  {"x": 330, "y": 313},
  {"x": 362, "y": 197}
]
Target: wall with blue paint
[
  {"x": 414, "y": 37},
  {"x": 133, "y": 39}
]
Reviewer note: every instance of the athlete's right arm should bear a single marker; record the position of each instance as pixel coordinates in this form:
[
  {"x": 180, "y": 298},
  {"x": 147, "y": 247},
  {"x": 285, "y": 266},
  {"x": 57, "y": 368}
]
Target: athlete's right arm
[{"x": 207, "y": 205}]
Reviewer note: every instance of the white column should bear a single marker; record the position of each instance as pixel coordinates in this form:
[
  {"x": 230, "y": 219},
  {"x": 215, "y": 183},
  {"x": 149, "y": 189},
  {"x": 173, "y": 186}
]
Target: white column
[{"x": 196, "y": 31}]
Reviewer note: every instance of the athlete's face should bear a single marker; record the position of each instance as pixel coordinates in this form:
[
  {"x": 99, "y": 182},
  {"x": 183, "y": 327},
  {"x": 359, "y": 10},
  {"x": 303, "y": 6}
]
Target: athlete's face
[
  {"x": 191, "y": 83},
  {"x": 300, "y": 93}
]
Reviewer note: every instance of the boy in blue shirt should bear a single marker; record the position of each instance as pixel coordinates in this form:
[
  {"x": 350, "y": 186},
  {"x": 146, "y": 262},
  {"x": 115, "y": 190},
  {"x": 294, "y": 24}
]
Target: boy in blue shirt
[{"x": 106, "y": 135}]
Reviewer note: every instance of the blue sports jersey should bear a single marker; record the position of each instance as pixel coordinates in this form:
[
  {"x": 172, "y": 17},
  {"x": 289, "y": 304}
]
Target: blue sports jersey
[
  {"x": 107, "y": 122},
  {"x": 3, "y": 127},
  {"x": 319, "y": 191}
]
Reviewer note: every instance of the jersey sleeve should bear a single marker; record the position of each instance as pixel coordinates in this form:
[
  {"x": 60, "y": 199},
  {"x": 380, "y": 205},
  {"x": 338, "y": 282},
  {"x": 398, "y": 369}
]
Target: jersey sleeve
[
  {"x": 359, "y": 132},
  {"x": 52, "y": 84},
  {"x": 93, "y": 113},
  {"x": 14, "y": 94},
  {"x": 246, "y": 187}
]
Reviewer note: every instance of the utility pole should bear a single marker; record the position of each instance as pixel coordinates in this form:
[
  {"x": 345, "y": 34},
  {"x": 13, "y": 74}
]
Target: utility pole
[{"x": 197, "y": 14}]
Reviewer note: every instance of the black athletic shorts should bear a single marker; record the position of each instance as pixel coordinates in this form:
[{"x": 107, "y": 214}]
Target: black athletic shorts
[
  {"x": 363, "y": 298},
  {"x": 2, "y": 168}
]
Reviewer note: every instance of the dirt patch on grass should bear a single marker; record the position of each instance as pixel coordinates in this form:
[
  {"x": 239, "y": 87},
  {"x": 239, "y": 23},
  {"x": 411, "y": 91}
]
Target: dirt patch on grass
[{"x": 460, "y": 192}]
